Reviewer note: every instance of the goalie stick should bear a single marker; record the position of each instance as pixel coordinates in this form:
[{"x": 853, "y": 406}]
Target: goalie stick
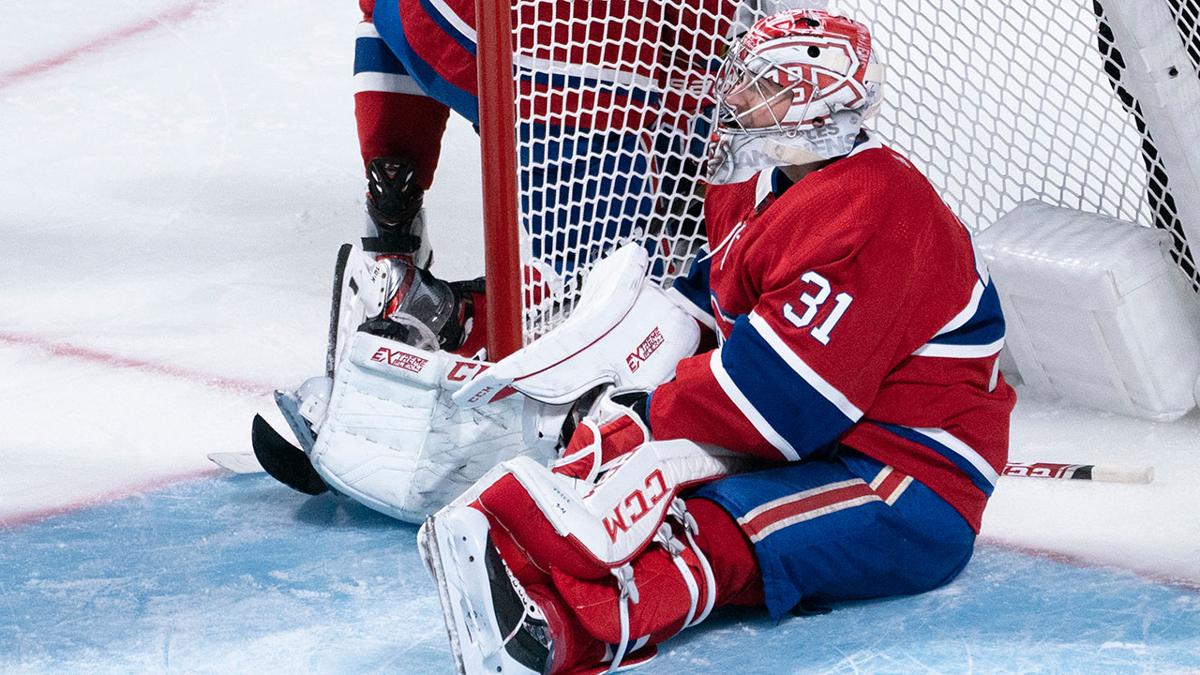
[
  {"x": 335, "y": 312},
  {"x": 244, "y": 462},
  {"x": 282, "y": 460},
  {"x": 1093, "y": 472}
]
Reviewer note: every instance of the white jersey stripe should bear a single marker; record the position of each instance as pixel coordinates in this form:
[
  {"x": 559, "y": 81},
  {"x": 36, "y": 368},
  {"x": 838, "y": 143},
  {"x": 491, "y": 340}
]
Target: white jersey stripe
[
  {"x": 967, "y": 312},
  {"x": 878, "y": 480},
  {"x": 795, "y": 497},
  {"x": 455, "y": 20},
  {"x": 590, "y": 72},
  {"x": 392, "y": 83},
  {"x": 748, "y": 410},
  {"x": 815, "y": 513},
  {"x": 831, "y": 393},
  {"x": 961, "y": 449},
  {"x": 366, "y": 29},
  {"x": 891, "y": 500},
  {"x": 960, "y": 351}
]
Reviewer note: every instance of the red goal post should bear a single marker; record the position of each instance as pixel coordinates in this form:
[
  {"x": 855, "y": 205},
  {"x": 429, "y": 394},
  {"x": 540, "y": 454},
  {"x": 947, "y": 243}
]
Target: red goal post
[
  {"x": 1091, "y": 106},
  {"x": 502, "y": 259}
]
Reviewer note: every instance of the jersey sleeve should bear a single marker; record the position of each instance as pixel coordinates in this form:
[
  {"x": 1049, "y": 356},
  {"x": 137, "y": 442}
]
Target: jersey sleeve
[
  {"x": 691, "y": 291},
  {"x": 796, "y": 372}
]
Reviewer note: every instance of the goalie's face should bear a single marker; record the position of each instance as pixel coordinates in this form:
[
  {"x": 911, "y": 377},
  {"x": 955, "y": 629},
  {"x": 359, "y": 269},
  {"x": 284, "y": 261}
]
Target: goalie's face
[{"x": 755, "y": 101}]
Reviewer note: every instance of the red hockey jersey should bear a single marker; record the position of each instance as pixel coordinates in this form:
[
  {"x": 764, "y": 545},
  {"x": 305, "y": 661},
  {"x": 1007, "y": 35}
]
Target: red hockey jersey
[{"x": 852, "y": 309}]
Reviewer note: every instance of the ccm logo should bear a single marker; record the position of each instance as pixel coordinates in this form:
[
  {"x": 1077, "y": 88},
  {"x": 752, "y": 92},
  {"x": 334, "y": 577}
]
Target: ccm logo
[
  {"x": 648, "y": 346},
  {"x": 636, "y": 505},
  {"x": 465, "y": 370},
  {"x": 399, "y": 359}
]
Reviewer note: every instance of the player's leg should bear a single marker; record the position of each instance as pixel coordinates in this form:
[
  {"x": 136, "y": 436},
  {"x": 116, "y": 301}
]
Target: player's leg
[
  {"x": 788, "y": 537},
  {"x": 504, "y": 611},
  {"x": 400, "y": 132},
  {"x": 844, "y": 529},
  {"x": 638, "y": 564}
]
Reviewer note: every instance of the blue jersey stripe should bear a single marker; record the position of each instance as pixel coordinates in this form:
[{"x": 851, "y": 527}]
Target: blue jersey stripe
[
  {"x": 371, "y": 55},
  {"x": 387, "y": 22},
  {"x": 984, "y": 327},
  {"x": 793, "y": 407},
  {"x": 575, "y": 83},
  {"x": 695, "y": 286},
  {"x": 977, "y": 478}
]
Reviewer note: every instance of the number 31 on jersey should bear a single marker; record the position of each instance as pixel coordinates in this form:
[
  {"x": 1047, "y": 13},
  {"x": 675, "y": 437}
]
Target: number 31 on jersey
[{"x": 813, "y": 302}]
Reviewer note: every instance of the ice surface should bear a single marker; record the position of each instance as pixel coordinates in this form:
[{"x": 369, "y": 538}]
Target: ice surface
[
  {"x": 170, "y": 208},
  {"x": 242, "y": 574}
]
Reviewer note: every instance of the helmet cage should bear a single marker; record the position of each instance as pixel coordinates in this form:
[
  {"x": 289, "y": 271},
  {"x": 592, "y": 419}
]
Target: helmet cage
[{"x": 821, "y": 72}]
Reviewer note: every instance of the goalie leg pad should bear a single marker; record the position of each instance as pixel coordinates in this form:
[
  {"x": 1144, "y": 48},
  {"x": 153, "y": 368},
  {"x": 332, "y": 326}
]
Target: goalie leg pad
[
  {"x": 673, "y": 590},
  {"x": 392, "y": 438},
  {"x": 700, "y": 560},
  {"x": 585, "y": 530}
]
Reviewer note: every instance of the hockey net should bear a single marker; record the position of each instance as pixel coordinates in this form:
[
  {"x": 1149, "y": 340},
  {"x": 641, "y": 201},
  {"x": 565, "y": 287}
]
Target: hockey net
[{"x": 1088, "y": 105}]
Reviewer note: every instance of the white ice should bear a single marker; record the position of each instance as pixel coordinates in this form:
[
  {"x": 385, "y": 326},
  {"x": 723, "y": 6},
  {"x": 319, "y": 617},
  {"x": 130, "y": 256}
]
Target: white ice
[{"x": 170, "y": 207}]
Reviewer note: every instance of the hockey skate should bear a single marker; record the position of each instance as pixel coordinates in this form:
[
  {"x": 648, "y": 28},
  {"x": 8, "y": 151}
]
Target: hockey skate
[
  {"x": 395, "y": 213},
  {"x": 493, "y": 624}
]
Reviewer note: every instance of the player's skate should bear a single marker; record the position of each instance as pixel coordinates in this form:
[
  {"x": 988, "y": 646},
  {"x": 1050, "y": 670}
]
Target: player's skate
[{"x": 493, "y": 624}]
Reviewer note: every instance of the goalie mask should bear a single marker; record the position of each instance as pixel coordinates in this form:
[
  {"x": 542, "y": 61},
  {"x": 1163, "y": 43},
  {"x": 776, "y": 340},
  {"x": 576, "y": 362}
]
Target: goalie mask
[{"x": 796, "y": 89}]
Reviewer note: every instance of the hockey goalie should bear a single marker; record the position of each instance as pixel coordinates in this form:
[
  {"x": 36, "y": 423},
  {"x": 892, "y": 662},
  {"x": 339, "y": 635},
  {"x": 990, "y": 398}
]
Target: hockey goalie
[
  {"x": 840, "y": 443},
  {"x": 813, "y": 414}
]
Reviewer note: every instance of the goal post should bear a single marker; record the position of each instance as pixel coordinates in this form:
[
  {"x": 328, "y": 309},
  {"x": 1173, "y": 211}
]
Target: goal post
[
  {"x": 594, "y": 116},
  {"x": 498, "y": 153}
]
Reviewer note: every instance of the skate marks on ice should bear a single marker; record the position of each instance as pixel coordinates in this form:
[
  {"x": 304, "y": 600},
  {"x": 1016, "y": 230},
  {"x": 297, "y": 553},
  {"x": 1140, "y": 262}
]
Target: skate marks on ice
[
  {"x": 241, "y": 573},
  {"x": 230, "y": 574}
]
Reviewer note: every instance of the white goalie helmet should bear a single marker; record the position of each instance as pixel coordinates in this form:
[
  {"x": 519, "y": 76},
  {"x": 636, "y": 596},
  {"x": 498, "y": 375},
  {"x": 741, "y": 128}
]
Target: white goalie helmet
[{"x": 797, "y": 88}]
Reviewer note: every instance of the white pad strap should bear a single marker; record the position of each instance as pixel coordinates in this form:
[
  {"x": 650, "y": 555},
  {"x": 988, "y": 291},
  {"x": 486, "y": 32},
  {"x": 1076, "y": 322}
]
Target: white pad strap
[
  {"x": 690, "y": 529},
  {"x": 628, "y": 593},
  {"x": 625, "y": 331},
  {"x": 667, "y": 539}
]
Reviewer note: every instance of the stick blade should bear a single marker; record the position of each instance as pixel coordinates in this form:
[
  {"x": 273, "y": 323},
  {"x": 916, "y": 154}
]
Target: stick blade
[
  {"x": 283, "y": 461},
  {"x": 236, "y": 462}
]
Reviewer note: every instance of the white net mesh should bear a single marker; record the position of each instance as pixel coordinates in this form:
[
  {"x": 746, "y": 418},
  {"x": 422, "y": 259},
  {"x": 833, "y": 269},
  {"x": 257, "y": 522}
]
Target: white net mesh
[{"x": 997, "y": 102}]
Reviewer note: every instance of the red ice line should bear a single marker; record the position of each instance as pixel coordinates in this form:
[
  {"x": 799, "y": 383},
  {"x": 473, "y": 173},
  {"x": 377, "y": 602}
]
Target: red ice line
[
  {"x": 121, "y": 362},
  {"x": 1073, "y": 560},
  {"x": 28, "y": 517},
  {"x": 247, "y": 387},
  {"x": 103, "y": 42},
  {"x": 60, "y": 349}
]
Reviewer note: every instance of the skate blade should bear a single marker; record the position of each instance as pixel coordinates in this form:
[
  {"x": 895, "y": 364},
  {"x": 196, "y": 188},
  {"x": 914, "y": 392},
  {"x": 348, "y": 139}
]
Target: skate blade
[
  {"x": 431, "y": 554},
  {"x": 466, "y": 598}
]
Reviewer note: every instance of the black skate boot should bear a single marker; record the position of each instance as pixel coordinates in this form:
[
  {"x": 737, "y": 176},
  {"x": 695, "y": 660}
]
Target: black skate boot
[{"x": 394, "y": 207}]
